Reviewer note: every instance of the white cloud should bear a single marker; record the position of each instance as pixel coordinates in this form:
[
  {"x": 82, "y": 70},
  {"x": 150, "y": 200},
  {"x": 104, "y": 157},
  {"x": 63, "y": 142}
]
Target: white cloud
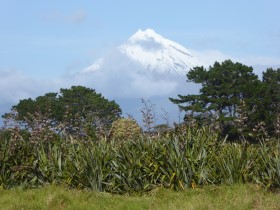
[
  {"x": 16, "y": 86},
  {"x": 208, "y": 57},
  {"x": 118, "y": 76},
  {"x": 78, "y": 16},
  {"x": 94, "y": 67}
]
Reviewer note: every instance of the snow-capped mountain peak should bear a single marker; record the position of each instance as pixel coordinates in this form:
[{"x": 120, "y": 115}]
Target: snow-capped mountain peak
[
  {"x": 154, "y": 53},
  {"x": 145, "y": 35},
  {"x": 157, "y": 53}
]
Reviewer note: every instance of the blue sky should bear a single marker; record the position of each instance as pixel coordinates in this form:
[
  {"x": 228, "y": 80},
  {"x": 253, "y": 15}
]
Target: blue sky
[
  {"x": 50, "y": 38},
  {"x": 42, "y": 40}
]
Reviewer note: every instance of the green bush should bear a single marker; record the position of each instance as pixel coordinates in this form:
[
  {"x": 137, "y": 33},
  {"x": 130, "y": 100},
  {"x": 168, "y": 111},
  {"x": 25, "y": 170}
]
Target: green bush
[
  {"x": 188, "y": 157},
  {"x": 125, "y": 129}
]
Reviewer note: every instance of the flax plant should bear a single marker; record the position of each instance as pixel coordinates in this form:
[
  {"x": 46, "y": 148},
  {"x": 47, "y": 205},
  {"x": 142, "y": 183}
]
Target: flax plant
[
  {"x": 235, "y": 163},
  {"x": 267, "y": 172},
  {"x": 185, "y": 157}
]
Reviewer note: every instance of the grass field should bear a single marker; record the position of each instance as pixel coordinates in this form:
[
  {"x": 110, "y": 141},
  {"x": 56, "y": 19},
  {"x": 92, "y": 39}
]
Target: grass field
[{"x": 209, "y": 197}]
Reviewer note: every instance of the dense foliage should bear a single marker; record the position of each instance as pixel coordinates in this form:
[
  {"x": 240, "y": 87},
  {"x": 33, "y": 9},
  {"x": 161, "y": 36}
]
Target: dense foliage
[
  {"x": 187, "y": 157},
  {"x": 125, "y": 130},
  {"x": 78, "y": 111},
  {"x": 234, "y": 100}
]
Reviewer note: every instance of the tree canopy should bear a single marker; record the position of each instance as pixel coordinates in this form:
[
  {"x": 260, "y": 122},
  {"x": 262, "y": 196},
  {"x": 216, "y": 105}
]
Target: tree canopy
[
  {"x": 76, "y": 110},
  {"x": 226, "y": 87}
]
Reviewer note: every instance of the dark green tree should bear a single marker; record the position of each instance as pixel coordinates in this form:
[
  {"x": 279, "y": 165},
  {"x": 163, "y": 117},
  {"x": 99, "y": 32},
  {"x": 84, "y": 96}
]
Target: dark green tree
[
  {"x": 77, "y": 111},
  {"x": 224, "y": 86},
  {"x": 269, "y": 100}
]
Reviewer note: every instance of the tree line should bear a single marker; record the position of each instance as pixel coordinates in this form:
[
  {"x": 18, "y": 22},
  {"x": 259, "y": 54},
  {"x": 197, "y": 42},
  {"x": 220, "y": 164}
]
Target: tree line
[{"x": 232, "y": 100}]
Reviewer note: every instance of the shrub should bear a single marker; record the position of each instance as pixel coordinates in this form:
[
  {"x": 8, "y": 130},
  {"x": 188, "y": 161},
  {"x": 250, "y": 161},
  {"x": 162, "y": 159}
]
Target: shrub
[
  {"x": 185, "y": 157},
  {"x": 125, "y": 129}
]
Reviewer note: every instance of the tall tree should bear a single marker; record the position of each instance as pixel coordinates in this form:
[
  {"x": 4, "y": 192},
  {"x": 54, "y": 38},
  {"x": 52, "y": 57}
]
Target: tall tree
[
  {"x": 78, "y": 110},
  {"x": 224, "y": 86},
  {"x": 269, "y": 103}
]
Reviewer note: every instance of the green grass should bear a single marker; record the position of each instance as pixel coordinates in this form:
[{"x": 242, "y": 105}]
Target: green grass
[{"x": 209, "y": 197}]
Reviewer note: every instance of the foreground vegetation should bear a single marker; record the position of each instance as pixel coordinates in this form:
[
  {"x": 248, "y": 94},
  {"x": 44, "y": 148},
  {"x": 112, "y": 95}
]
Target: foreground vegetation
[
  {"x": 186, "y": 157},
  {"x": 78, "y": 140},
  {"x": 210, "y": 197}
]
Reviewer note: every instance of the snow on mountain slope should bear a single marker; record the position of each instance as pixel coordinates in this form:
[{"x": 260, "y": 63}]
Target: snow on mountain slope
[
  {"x": 154, "y": 53},
  {"x": 157, "y": 53}
]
